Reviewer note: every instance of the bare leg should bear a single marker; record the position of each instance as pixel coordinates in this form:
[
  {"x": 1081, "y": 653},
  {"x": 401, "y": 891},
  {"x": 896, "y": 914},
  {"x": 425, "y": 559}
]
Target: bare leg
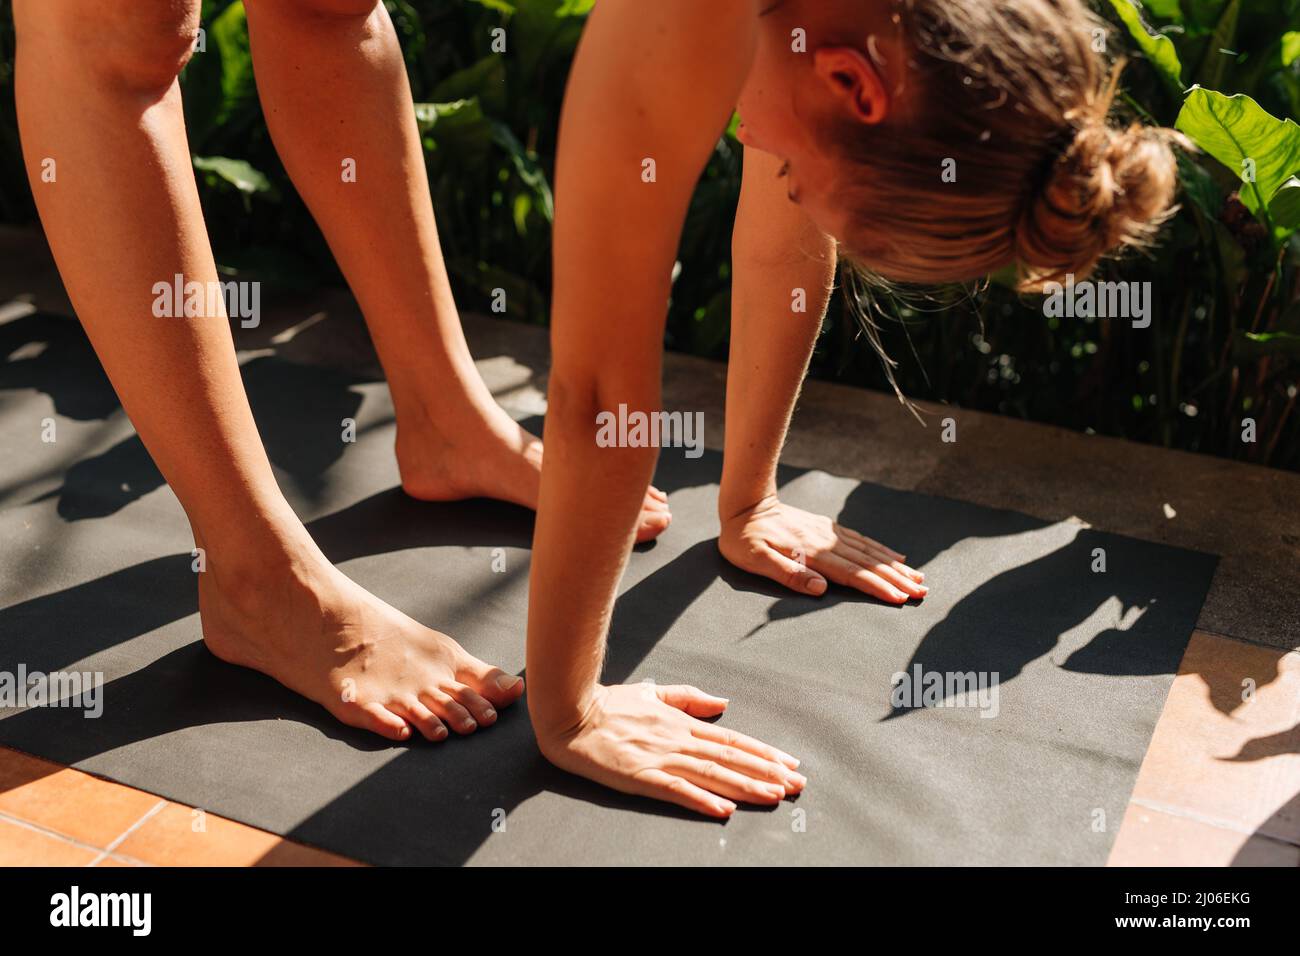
[
  {"x": 123, "y": 214},
  {"x": 334, "y": 87}
]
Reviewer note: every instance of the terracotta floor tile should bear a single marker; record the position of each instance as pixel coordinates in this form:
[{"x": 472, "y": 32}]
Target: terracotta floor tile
[
  {"x": 65, "y": 800},
  {"x": 117, "y": 861},
  {"x": 25, "y": 846},
  {"x": 168, "y": 839},
  {"x": 1153, "y": 838},
  {"x": 1220, "y": 760}
]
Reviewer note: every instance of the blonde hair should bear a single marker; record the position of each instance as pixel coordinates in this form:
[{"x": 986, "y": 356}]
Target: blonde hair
[{"x": 1015, "y": 94}]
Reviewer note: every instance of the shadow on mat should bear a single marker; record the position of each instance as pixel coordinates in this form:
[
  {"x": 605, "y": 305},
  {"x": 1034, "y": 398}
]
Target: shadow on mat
[
  {"x": 450, "y": 784},
  {"x": 299, "y": 411}
]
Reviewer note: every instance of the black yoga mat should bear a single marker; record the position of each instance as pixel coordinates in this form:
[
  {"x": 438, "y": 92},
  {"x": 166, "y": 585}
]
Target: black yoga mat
[{"x": 96, "y": 576}]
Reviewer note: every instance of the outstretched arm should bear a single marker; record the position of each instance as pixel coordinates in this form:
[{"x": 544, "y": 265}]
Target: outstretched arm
[
  {"x": 782, "y": 263},
  {"x": 651, "y": 84}
]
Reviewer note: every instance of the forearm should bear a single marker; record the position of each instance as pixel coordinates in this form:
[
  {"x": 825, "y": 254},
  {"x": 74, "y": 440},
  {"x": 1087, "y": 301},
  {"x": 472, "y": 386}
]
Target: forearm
[
  {"x": 780, "y": 263},
  {"x": 590, "y": 499},
  {"x": 651, "y": 87}
]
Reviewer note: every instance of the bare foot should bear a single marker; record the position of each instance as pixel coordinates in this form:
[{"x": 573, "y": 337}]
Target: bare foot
[
  {"x": 489, "y": 459},
  {"x": 306, "y": 624}
]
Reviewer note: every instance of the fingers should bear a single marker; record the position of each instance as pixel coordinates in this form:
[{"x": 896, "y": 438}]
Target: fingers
[
  {"x": 749, "y": 765},
  {"x": 692, "y": 700},
  {"x": 723, "y": 781},
  {"x": 783, "y": 570},
  {"x": 731, "y": 738},
  {"x": 868, "y": 544},
  {"x": 885, "y": 570},
  {"x": 673, "y": 789},
  {"x": 849, "y": 573},
  {"x": 884, "y": 556}
]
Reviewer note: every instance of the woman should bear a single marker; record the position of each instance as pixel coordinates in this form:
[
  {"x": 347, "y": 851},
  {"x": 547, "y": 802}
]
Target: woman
[
  {"x": 937, "y": 140},
  {"x": 122, "y": 215},
  {"x": 97, "y": 93}
]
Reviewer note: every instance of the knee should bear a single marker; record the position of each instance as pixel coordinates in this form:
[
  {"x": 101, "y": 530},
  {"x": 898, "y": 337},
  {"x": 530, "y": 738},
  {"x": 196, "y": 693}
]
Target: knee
[{"x": 130, "y": 44}]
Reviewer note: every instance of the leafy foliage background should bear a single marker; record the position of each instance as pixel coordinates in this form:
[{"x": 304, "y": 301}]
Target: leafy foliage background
[{"x": 1224, "y": 344}]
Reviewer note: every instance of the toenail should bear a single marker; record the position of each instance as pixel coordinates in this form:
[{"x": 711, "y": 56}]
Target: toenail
[
  {"x": 468, "y": 723},
  {"x": 507, "y": 682},
  {"x": 490, "y": 714}
]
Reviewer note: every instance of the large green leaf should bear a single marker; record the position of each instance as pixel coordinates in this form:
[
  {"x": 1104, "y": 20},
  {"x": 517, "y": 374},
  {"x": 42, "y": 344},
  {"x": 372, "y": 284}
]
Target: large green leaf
[
  {"x": 1218, "y": 53},
  {"x": 526, "y": 167},
  {"x": 1235, "y": 129},
  {"x": 1165, "y": 9},
  {"x": 237, "y": 173},
  {"x": 1284, "y": 207},
  {"x": 543, "y": 30},
  {"x": 485, "y": 80},
  {"x": 1157, "y": 47},
  {"x": 220, "y": 96},
  {"x": 456, "y": 131},
  {"x": 1290, "y": 47}
]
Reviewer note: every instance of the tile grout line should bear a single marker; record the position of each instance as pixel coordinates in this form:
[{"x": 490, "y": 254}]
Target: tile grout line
[
  {"x": 46, "y": 831},
  {"x": 1207, "y": 820},
  {"x": 108, "y": 850}
]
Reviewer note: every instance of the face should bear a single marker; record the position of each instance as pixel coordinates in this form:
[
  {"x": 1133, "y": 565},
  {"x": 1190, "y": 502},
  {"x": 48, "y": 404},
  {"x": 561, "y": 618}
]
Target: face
[
  {"x": 793, "y": 98},
  {"x": 779, "y": 113}
]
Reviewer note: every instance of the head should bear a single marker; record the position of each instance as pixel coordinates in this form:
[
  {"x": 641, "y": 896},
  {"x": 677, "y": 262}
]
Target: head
[{"x": 943, "y": 140}]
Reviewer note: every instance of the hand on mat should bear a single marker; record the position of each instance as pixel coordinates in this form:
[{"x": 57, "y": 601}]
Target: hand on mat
[
  {"x": 802, "y": 550},
  {"x": 646, "y": 739}
]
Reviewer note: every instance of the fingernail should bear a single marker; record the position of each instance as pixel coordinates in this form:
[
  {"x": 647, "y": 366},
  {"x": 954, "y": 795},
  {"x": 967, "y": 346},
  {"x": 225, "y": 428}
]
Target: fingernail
[
  {"x": 787, "y": 759},
  {"x": 507, "y": 681},
  {"x": 799, "y": 779},
  {"x": 816, "y": 586},
  {"x": 777, "y": 791},
  {"x": 726, "y": 806}
]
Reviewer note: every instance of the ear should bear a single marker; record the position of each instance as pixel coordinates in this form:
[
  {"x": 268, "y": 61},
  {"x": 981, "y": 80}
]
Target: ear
[{"x": 854, "y": 81}]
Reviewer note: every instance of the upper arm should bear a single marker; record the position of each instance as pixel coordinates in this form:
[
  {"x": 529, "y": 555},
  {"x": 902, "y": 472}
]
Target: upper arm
[{"x": 650, "y": 82}]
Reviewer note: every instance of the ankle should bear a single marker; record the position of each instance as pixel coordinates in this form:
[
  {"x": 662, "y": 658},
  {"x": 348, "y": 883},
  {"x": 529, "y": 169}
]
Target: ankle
[{"x": 258, "y": 553}]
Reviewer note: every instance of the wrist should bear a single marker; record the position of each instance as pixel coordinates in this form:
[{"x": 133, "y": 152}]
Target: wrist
[
  {"x": 734, "y": 500},
  {"x": 557, "y": 715}
]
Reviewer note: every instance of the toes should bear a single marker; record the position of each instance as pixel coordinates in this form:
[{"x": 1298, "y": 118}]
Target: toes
[
  {"x": 479, "y": 708},
  {"x": 421, "y": 718},
  {"x": 500, "y": 688},
  {"x": 378, "y": 719},
  {"x": 652, "y": 524},
  {"x": 453, "y": 714},
  {"x": 658, "y": 495}
]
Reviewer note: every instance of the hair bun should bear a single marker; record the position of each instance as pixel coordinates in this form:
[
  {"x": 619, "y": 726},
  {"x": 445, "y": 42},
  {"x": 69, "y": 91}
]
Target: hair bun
[{"x": 1110, "y": 189}]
